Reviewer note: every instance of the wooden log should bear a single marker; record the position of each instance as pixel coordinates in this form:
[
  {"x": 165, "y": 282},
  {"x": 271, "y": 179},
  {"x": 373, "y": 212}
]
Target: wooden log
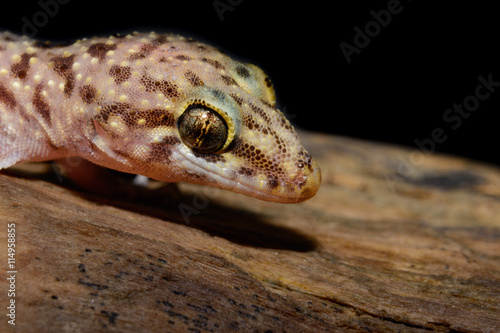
[{"x": 395, "y": 241}]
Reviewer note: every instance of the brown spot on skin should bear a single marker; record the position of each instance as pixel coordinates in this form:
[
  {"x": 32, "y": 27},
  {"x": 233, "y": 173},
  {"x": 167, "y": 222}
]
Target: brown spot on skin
[
  {"x": 285, "y": 124},
  {"x": 266, "y": 104},
  {"x": 305, "y": 158},
  {"x": 237, "y": 99},
  {"x": 214, "y": 63},
  {"x": 99, "y": 50},
  {"x": 20, "y": 69},
  {"x": 41, "y": 106},
  {"x": 246, "y": 171},
  {"x": 113, "y": 109},
  {"x": 260, "y": 112},
  {"x": 62, "y": 66},
  {"x": 256, "y": 159},
  {"x": 161, "y": 151},
  {"x": 228, "y": 80},
  {"x": 136, "y": 56},
  {"x": 210, "y": 158},
  {"x": 249, "y": 123},
  {"x": 268, "y": 83},
  {"x": 88, "y": 94},
  {"x": 273, "y": 183},
  {"x": 183, "y": 57},
  {"x": 7, "y": 97},
  {"x": 278, "y": 140},
  {"x": 193, "y": 79},
  {"x": 120, "y": 73},
  {"x": 144, "y": 51},
  {"x": 242, "y": 71},
  {"x": 153, "y": 117},
  {"x": 166, "y": 87},
  {"x": 160, "y": 40}
]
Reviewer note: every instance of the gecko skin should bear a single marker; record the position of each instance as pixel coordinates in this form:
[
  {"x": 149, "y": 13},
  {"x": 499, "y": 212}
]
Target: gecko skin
[{"x": 158, "y": 105}]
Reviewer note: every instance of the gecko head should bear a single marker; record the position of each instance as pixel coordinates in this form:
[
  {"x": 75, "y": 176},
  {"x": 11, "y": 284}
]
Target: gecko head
[
  {"x": 234, "y": 138},
  {"x": 215, "y": 124},
  {"x": 249, "y": 148}
]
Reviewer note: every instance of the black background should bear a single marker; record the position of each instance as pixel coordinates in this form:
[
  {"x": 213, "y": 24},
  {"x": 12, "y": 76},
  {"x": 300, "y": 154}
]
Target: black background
[{"x": 397, "y": 89}]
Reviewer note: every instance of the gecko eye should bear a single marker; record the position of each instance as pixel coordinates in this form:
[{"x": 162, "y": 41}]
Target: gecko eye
[{"x": 202, "y": 129}]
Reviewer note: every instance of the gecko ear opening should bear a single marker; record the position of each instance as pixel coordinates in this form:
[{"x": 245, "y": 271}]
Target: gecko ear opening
[{"x": 202, "y": 129}]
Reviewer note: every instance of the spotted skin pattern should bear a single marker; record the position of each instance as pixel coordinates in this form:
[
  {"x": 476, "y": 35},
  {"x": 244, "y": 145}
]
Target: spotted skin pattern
[{"x": 116, "y": 102}]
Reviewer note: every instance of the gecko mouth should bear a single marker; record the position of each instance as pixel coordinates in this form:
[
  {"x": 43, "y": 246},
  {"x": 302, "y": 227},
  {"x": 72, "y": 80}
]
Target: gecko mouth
[
  {"x": 301, "y": 187},
  {"x": 292, "y": 191}
]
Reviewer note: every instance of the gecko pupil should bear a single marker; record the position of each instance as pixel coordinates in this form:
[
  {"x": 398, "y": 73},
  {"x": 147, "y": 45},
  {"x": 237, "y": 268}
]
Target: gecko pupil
[{"x": 202, "y": 129}]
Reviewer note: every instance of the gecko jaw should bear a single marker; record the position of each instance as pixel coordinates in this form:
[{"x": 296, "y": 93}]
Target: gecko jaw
[{"x": 301, "y": 187}]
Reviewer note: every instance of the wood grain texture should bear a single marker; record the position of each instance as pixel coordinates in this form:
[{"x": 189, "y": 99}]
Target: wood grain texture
[{"x": 395, "y": 241}]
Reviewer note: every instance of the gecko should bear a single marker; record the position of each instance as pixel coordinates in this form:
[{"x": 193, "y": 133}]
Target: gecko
[{"x": 159, "y": 105}]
